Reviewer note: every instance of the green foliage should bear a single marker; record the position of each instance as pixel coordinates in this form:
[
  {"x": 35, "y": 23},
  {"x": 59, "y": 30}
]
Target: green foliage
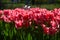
[{"x": 9, "y": 32}]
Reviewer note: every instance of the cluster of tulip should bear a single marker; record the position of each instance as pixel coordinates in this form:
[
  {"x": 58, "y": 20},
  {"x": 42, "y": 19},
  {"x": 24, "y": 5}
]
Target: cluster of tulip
[{"x": 49, "y": 20}]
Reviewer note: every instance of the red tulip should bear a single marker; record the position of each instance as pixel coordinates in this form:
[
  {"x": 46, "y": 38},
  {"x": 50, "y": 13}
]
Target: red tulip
[{"x": 18, "y": 24}]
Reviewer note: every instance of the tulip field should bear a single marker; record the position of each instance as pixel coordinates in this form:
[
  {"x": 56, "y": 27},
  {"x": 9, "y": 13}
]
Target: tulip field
[{"x": 30, "y": 24}]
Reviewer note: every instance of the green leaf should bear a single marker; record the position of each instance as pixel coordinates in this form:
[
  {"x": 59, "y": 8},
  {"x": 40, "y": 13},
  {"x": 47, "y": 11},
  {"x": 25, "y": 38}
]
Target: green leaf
[
  {"x": 29, "y": 37},
  {"x": 5, "y": 33}
]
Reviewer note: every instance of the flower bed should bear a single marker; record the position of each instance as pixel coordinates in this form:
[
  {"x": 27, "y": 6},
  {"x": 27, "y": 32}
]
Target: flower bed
[{"x": 37, "y": 20}]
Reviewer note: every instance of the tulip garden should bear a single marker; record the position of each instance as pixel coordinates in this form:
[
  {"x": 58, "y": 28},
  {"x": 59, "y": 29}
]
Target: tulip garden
[{"x": 31, "y": 24}]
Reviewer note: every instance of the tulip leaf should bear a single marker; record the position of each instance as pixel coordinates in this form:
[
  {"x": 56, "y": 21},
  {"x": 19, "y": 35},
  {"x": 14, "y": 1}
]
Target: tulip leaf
[{"x": 29, "y": 37}]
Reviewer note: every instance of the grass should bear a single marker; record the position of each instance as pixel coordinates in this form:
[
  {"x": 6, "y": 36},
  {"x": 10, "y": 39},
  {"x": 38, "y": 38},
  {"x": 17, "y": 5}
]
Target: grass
[
  {"x": 50, "y": 6},
  {"x": 21, "y": 5},
  {"x": 8, "y": 4}
]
